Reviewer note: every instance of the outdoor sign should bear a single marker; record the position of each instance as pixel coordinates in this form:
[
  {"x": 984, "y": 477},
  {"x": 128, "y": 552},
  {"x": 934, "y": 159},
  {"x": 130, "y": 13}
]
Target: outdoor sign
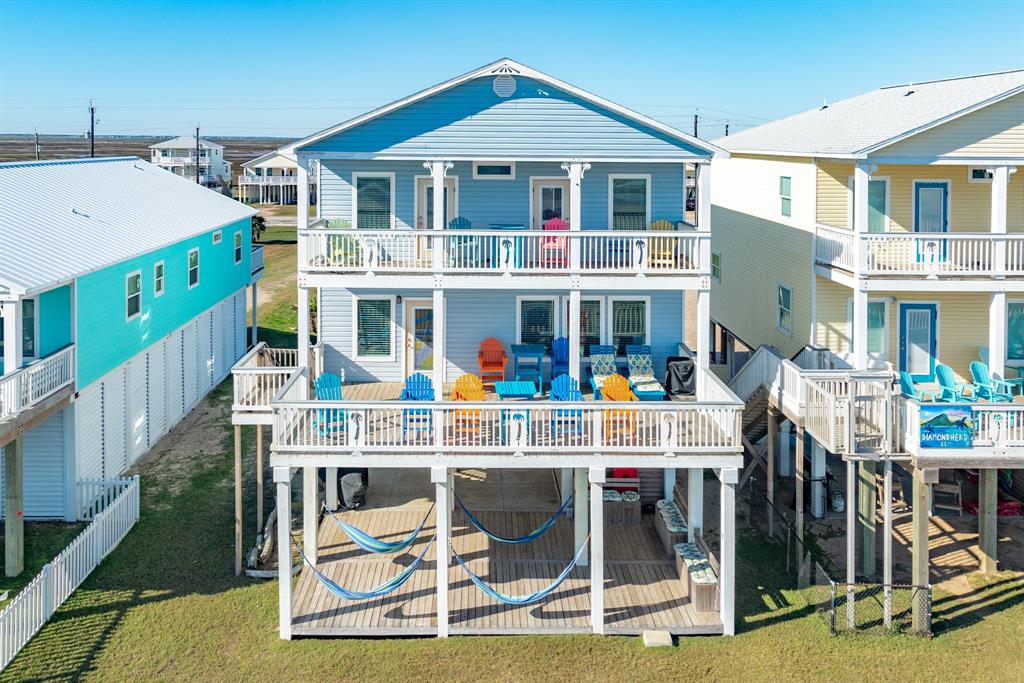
[{"x": 945, "y": 425}]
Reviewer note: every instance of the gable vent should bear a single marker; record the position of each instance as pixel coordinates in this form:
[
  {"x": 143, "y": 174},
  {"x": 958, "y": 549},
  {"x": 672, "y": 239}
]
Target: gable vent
[{"x": 504, "y": 85}]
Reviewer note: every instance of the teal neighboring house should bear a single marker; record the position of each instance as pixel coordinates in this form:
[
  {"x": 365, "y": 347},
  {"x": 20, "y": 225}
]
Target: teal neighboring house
[{"x": 123, "y": 300}]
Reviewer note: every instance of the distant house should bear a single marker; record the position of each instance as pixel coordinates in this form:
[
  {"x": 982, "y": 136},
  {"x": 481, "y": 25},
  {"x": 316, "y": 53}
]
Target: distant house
[
  {"x": 273, "y": 179},
  {"x": 179, "y": 157},
  {"x": 123, "y": 297}
]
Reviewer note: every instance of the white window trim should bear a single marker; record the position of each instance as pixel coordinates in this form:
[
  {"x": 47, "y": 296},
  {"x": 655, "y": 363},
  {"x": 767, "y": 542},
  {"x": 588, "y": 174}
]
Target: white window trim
[
  {"x": 610, "y": 336},
  {"x": 888, "y": 202},
  {"x": 218, "y": 236},
  {"x": 556, "y": 324},
  {"x": 188, "y": 268},
  {"x": 880, "y": 359},
  {"x": 778, "y": 322},
  {"x": 127, "y": 279},
  {"x": 239, "y": 249},
  {"x": 612, "y": 177},
  {"x": 982, "y": 181},
  {"x": 494, "y": 162},
  {"x": 416, "y": 197},
  {"x": 789, "y": 196},
  {"x": 390, "y": 358},
  {"x": 390, "y": 175},
  {"x": 162, "y": 279}
]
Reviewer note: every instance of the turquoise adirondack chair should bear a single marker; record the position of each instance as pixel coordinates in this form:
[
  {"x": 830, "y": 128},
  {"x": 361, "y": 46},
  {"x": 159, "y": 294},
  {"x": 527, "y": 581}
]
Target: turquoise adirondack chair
[
  {"x": 952, "y": 391},
  {"x": 328, "y": 387},
  {"x": 602, "y": 366},
  {"x": 909, "y": 388},
  {"x": 989, "y": 387}
]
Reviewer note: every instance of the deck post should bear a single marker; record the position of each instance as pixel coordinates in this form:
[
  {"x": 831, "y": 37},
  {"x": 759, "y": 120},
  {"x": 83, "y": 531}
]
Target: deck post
[
  {"x": 580, "y": 517},
  {"x": 988, "y": 538},
  {"x": 440, "y": 359},
  {"x": 817, "y": 480},
  {"x": 574, "y": 336},
  {"x": 238, "y": 499},
  {"x": 14, "y": 507},
  {"x": 887, "y": 543},
  {"x": 773, "y": 447},
  {"x": 919, "y": 544},
  {"x": 439, "y": 476},
  {"x": 283, "y": 480},
  {"x": 565, "y": 483},
  {"x": 331, "y": 488},
  {"x": 798, "y": 458},
  {"x": 597, "y": 480},
  {"x": 259, "y": 479},
  {"x": 727, "y": 550},
  {"x": 694, "y": 503},
  {"x": 851, "y": 540},
  {"x": 310, "y": 510},
  {"x": 868, "y": 504},
  {"x": 669, "y": 483}
]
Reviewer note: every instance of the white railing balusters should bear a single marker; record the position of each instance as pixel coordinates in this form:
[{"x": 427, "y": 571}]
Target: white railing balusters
[{"x": 30, "y": 385}]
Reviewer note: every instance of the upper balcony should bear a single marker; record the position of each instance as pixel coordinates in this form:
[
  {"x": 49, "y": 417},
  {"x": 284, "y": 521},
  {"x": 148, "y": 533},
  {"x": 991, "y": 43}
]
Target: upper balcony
[
  {"x": 187, "y": 160},
  {"x": 271, "y": 180},
  {"x": 35, "y": 391}
]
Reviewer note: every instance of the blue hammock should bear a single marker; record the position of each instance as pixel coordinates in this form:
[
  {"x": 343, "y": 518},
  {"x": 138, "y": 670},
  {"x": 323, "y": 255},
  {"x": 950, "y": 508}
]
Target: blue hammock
[
  {"x": 383, "y": 589},
  {"x": 532, "y": 536},
  {"x": 522, "y": 599},
  {"x": 375, "y": 545}
]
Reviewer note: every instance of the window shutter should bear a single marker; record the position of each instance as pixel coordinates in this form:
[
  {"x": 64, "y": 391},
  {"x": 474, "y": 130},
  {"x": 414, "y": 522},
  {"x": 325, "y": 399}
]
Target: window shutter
[{"x": 374, "y": 325}]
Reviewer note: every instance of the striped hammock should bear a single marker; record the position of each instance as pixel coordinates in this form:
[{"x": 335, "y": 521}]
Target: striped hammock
[
  {"x": 381, "y": 590},
  {"x": 532, "y": 536},
  {"x": 375, "y": 545},
  {"x": 522, "y": 599}
]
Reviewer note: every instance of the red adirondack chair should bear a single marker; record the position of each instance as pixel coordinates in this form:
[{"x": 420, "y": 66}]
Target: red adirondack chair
[{"x": 554, "y": 251}]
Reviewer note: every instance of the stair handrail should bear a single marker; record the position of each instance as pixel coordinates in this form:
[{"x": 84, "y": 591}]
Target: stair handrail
[{"x": 759, "y": 371}]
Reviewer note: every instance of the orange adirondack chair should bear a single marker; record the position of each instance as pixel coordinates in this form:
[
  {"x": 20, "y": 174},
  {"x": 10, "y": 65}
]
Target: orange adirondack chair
[
  {"x": 618, "y": 422},
  {"x": 492, "y": 360},
  {"x": 468, "y": 388}
]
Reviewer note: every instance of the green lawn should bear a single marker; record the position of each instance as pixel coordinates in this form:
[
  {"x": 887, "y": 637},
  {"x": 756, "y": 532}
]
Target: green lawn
[
  {"x": 43, "y": 541},
  {"x": 165, "y": 606}
]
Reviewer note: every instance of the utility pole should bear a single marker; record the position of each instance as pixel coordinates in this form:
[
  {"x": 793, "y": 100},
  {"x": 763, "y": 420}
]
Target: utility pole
[
  {"x": 726, "y": 129},
  {"x": 695, "y": 125},
  {"x": 197, "y": 154},
  {"x": 37, "y": 144},
  {"x": 92, "y": 130}
]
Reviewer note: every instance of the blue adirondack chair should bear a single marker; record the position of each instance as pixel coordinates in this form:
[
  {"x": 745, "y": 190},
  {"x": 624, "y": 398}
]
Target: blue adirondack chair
[
  {"x": 950, "y": 390},
  {"x": 602, "y": 366},
  {"x": 329, "y": 420},
  {"x": 418, "y": 387},
  {"x": 559, "y": 357},
  {"x": 641, "y": 373},
  {"x": 528, "y": 363},
  {"x": 566, "y": 420},
  {"x": 910, "y": 390},
  {"x": 988, "y": 386},
  {"x": 464, "y": 251}
]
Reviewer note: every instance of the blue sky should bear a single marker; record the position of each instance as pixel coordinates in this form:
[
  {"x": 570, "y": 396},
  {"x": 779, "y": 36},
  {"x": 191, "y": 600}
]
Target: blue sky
[{"x": 290, "y": 68}]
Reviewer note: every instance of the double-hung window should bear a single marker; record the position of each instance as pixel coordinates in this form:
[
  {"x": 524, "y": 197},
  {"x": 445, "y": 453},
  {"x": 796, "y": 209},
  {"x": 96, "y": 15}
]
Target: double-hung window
[
  {"x": 238, "y": 248},
  {"x": 877, "y": 329},
  {"x": 374, "y": 200},
  {"x": 133, "y": 295},
  {"x": 1015, "y": 331},
  {"x": 193, "y": 268},
  {"x": 158, "y": 278},
  {"x": 374, "y": 337},
  {"x": 536, "y": 321},
  {"x": 630, "y": 322},
  {"x": 716, "y": 266},
  {"x": 629, "y": 202},
  {"x": 591, "y": 319},
  {"x": 784, "y": 314},
  {"x": 786, "y": 195}
]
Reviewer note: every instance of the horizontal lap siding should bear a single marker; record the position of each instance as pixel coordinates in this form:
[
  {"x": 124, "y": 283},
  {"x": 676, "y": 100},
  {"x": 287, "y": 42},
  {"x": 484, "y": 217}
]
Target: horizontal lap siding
[
  {"x": 834, "y": 193},
  {"x": 537, "y": 120},
  {"x": 993, "y": 132}
]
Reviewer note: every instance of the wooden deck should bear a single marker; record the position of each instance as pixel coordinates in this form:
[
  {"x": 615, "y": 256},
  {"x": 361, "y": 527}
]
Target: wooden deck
[{"x": 642, "y": 590}]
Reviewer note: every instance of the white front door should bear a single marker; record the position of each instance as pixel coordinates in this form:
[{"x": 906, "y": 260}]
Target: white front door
[
  {"x": 419, "y": 336},
  {"x": 550, "y": 200},
  {"x": 425, "y": 203}
]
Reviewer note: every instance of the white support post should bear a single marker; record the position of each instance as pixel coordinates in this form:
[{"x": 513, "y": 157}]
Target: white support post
[
  {"x": 817, "y": 480},
  {"x": 669, "y": 483},
  {"x": 12, "y": 336},
  {"x": 727, "y": 551},
  {"x": 566, "y": 484},
  {"x": 439, "y": 476},
  {"x": 580, "y": 518},
  {"x": 255, "y": 307},
  {"x": 302, "y": 334},
  {"x": 859, "y": 337},
  {"x": 310, "y": 510},
  {"x": 574, "y": 336},
  {"x": 1000, "y": 194},
  {"x": 887, "y": 544},
  {"x": 331, "y": 488},
  {"x": 694, "y": 503},
  {"x": 576, "y": 170},
  {"x": 997, "y": 313},
  {"x": 440, "y": 358},
  {"x": 703, "y": 349},
  {"x": 861, "y": 180},
  {"x": 302, "y": 209},
  {"x": 282, "y": 478},
  {"x": 597, "y": 479},
  {"x": 437, "y": 170},
  {"x": 851, "y": 539}
]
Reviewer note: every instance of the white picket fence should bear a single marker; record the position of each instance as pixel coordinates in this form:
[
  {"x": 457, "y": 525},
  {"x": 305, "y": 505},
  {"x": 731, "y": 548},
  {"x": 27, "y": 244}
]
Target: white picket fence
[{"x": 36, "y": 603}]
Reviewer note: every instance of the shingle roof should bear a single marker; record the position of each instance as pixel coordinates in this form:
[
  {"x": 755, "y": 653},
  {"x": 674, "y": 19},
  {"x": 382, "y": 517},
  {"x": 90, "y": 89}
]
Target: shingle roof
[
  {"x": 186, "y": 142},
  {"x": 860, "y": 124},
  {"x": 61, "y": 219}
]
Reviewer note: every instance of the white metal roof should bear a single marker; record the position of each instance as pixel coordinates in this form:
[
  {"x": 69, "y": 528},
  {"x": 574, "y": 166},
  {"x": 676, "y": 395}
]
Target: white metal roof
[
  {"x": 860, "y": 125},
  {"x": 186, "y": 142},
  {"x": 62, "y": 219},
  {"x": 506, "y": 65}
]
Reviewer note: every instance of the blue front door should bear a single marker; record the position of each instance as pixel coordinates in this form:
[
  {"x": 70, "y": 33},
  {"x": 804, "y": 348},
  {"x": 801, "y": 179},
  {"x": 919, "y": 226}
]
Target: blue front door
[{"x": 918, "y": 340}]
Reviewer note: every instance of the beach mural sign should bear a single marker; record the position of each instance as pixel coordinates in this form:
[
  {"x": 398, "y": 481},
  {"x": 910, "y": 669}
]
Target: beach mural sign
[{"x": 946, "y": 425}]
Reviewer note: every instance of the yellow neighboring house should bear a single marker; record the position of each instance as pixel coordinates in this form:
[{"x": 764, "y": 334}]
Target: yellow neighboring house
[{"x": 896, "y": 216}]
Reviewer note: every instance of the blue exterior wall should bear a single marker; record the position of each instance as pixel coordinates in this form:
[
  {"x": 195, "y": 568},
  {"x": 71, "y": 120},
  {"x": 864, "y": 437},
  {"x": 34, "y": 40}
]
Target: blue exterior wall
[
  {"x": 472, "y": 317},
  {"x": 537, "y": 121},
  {"x": 106, "y": 339},
  {"x": 501, "y": 201},
  {"x": 54, "y": 311}
]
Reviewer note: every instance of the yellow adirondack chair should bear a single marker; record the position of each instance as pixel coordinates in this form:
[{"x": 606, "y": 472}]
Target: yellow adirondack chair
[
  {"x": 661, "y": 251},
  {"x": 618, "y": 422},
  {"x": 467, "y": 420}
]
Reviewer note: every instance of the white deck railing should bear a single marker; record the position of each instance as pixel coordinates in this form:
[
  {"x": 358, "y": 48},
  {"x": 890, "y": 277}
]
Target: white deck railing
[
  {"x": 269, "y": 180},
  {"x": 504, "y": 252},
  {"x": 257, "y": 259},
  {"x": 996, "y": 426},
  {"x": 926, "y": 254},
  {"x": 28, "y": 386},
  {"x": 35, "y": 603},
  {"x": 259, "y": 375}
]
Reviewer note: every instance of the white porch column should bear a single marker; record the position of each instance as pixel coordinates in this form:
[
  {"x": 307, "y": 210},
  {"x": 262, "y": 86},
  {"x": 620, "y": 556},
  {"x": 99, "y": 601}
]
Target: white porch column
[
  {"x": 12, "y": 336},
  {"x": 254, "y": 309},
  {"x": 597, "y": 479},
  {"x": 851, "y": 538},
  {"x": 282, "y": 478},
  {"x": 703, "y": 349},
  {"x": 727, "y": 550},
  {"x": 574, "y": 336},
  {"x": 694, "y": 503},
  {"x": 861, "y": 181},
  {"x": 576, "y": 170},
  {"x": 997, "y": 313},
  {"x": 302, "y": 206},
  {"x": 310, "y": 510},
  {"x": 302, "y": 334},
  {"x": 438, "y": 169},
  {"x": 1000, "y": 194},
  {"x": 439, "y": 476},
  {"x": 997, "y": 303},
  {"x": 440, "y": 359},
  {"x": 579, "y": 517}
]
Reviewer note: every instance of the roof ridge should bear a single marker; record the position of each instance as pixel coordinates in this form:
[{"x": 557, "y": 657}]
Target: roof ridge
[
  {"x": 53, "y": 162},
  {"x": 951, "y": 78}
]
